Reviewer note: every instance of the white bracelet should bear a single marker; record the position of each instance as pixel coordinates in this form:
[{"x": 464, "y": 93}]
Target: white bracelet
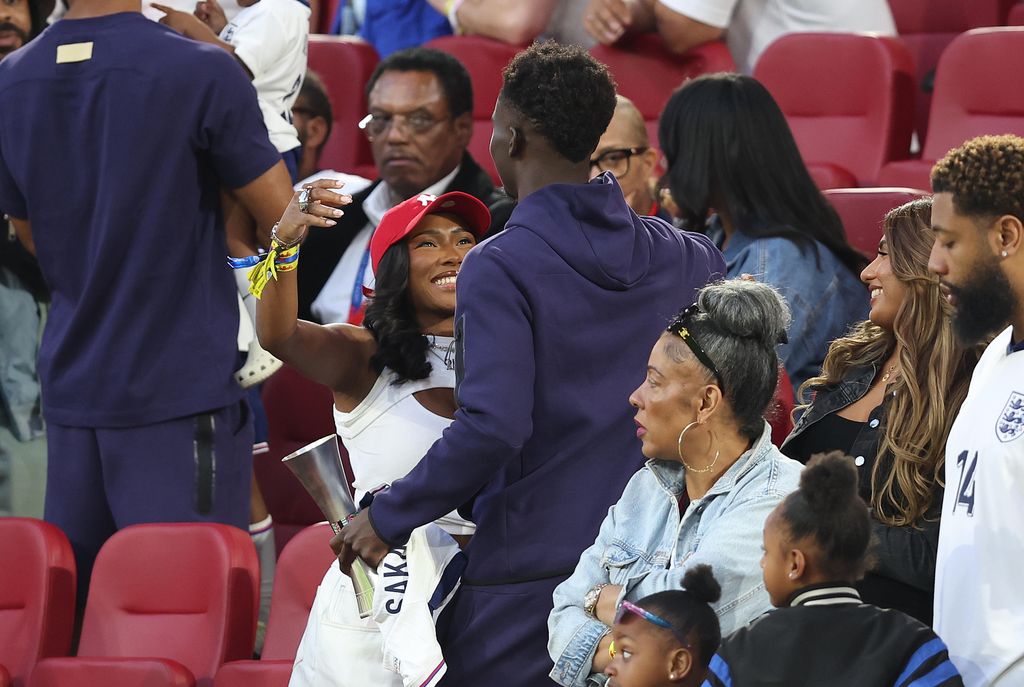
[{"x": 453, "y": 16}]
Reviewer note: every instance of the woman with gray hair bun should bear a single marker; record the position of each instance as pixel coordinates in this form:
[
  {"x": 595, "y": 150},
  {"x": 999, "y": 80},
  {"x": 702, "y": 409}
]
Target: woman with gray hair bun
[{"x": 712, "y": 478}]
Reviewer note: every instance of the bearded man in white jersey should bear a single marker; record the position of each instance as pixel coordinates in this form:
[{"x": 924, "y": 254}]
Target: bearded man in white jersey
[{"x": 978, "y": 220}]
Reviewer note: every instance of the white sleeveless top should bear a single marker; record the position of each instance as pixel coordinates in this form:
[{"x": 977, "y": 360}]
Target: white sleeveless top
[{"x": 389, "y": 431}]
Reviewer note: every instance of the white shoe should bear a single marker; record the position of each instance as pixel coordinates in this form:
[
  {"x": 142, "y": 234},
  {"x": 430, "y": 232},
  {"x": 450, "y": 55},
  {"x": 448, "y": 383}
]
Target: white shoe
[{"x": 259, "y": 365}]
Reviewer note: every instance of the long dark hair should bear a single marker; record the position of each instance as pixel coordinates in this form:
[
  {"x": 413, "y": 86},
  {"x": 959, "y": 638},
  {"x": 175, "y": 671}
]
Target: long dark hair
[
  {"x": 391, "y": 318},
  {"x": 726, "y": 140}
]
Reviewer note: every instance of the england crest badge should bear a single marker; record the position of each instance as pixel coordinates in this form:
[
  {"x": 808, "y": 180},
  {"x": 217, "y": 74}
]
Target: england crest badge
[{"x": 1010, "y": 424}]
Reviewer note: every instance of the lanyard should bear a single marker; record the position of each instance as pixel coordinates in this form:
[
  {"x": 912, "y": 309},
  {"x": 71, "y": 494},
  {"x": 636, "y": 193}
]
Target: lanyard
[{"x": 355, "y": 310}]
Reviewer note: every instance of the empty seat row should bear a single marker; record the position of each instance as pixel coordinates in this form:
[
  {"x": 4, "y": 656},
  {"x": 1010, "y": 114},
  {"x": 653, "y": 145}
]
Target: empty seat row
[{"x": 170, "y": 605}]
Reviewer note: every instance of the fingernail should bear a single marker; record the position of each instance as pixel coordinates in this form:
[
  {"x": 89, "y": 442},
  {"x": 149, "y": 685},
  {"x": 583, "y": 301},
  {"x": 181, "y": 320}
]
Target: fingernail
[
  {"x": 337, "y": 213},
  {"x": 331, "y": 222}
]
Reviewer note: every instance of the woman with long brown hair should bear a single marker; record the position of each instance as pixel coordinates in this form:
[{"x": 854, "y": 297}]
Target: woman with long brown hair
[{"x": 887, "y": 394}]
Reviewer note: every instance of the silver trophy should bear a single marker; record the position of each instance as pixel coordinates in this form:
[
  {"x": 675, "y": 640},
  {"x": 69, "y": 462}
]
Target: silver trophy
[{"x": 318, "y": 467}]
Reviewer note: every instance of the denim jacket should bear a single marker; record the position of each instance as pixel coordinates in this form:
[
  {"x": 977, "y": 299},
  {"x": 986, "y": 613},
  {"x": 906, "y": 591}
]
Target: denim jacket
[
  {"x": 904, "y": 573},
  {"x": 824, "y": 297},
  {"x": 646, "y": 547}
]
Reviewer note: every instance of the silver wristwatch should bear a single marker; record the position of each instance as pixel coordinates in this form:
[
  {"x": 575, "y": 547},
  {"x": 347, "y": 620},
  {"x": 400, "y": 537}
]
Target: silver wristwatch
[{"x": 591, "y": 598}]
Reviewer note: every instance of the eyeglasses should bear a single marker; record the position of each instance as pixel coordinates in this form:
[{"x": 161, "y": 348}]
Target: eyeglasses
[
  {"x": 630, "y": 607},
  {"x": 616, "y": 161},
  {"x": 374, "y": 125}
]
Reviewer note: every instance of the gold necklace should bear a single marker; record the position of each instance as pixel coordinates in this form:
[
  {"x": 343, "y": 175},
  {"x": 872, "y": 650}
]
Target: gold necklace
[{"x": 888, "y": 373}]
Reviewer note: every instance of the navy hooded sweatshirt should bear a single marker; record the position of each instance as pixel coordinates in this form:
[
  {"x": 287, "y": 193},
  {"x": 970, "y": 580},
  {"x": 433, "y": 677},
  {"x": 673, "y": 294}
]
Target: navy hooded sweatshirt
[{"x": 556, "y": 317}]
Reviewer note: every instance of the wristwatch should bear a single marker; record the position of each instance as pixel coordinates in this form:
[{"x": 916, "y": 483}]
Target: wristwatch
[{"x": 591, "y": 598}]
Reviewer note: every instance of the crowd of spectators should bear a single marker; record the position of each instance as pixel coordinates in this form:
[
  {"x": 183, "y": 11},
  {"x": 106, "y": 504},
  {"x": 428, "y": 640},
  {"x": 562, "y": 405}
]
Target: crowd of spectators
[{"x": 559, "y": 388}]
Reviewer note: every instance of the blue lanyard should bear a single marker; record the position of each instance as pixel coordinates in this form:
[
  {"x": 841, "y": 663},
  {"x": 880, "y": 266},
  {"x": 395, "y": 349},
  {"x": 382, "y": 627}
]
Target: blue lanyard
[{"x": 357, "y": 288}]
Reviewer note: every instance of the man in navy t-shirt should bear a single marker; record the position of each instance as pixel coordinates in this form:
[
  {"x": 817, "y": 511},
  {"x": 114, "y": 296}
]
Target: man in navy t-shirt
[{"x": 116, "y": 134}]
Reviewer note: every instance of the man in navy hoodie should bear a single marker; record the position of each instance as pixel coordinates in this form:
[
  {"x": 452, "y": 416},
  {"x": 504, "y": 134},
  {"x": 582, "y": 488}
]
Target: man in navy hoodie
[{"x": 556, "y": 317}]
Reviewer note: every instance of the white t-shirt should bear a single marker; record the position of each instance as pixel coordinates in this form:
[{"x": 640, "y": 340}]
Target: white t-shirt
[
  {"x": 752, "y": 25},
  {"x": 979, "y": 599},
  {"x": 270, "y": 38}
]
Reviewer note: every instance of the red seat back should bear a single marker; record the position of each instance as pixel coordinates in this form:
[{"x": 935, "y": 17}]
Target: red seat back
[
  {"x": 485, "y": 59},
  {"x": 345, "y": 64},
  {"x": 254, "y": 674},
  {"x": 300, "y": 568},
  {"x": 1016, "y": 15},
  {"x": 298, "y": 413},
  {"x": 858, "y": 114},
  {"x": 928, "y": 26},
  {"x": 37, "y": 595},
  {"x": 111, "y": 672},
  {"x": 780, "y": 412},
  {"x": 647, "y": 73},
  {"x": 863, "y": 209},
  {"x": 187, "y": 592},
  {"x": 972, "y": 94}
]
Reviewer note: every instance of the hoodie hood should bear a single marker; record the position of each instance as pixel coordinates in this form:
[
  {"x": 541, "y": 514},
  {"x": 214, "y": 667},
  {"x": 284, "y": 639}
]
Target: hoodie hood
[{"x": 591, "y": 227}]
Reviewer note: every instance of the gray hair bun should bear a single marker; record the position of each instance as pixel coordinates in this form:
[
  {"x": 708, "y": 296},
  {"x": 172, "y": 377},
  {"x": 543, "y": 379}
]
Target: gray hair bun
[{"x": 746, "y": 309}]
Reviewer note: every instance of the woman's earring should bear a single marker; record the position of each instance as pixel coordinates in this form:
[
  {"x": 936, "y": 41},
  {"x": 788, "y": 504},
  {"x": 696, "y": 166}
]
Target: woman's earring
[
  {"x": 792, "y": 575},
  {"x": 1005, "y": 254}
]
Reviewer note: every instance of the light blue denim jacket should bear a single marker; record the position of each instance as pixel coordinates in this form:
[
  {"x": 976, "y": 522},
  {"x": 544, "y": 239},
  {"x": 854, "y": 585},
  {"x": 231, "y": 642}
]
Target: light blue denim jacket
[
  {"x": 646, "y": 547},
  {"x": 825, "y": 298}
]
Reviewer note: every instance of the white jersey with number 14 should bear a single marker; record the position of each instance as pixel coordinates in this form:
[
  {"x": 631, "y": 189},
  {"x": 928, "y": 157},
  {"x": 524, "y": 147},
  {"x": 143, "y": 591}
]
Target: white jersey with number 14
[{"x": 979, "y": 578}]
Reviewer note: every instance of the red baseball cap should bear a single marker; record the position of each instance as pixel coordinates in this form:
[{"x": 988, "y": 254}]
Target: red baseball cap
[{"x": 399, "y": 221}]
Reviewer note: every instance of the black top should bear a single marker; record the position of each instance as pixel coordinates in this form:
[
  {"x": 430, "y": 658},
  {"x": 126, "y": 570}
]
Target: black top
[
  {"x": 831, "y": 433},
  {"x": 828, "y": 638},
  {"x": 904, "y": 575}
]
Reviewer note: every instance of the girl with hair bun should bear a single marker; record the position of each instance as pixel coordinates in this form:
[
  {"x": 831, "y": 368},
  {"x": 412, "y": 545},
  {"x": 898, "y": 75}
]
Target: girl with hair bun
[
  {"x": 712, "y": 478},
  {"x": 816, "y": 546},
  {"x": 667, "y": 639}
]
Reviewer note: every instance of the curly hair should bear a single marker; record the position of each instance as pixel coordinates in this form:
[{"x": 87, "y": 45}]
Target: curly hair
[
  {"x": 936, "y": 372},
  {"x": 391, "y": 318},
  {"x": 566, "y": 94},
  {"x": 985, "y": 176}
]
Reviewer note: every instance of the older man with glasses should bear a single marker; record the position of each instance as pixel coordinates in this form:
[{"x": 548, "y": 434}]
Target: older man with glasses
[
  {"x": 419, "y": 124},
  {"x": 625, "y": 151}
]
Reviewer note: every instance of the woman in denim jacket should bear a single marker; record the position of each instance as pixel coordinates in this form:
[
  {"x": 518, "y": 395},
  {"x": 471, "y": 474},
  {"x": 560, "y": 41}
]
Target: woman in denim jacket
[
  {"x": 713, "y": 477},
  {"x": 735, "y": 172},
  {"x": 887, "y": 395}
]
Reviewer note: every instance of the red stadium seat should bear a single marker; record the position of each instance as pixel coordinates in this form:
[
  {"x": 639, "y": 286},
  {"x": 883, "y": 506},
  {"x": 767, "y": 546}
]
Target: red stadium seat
[
  {"x": 1016, "y": 15},
  {"x": 972, "y": 97},
  {"x": 780, "y": 413},
  {"x": 185, "y": 593},
  {"x": 345, "y": 65},
  {"x": 298, "y": 413},
  {"x": 111, "y": 672},
  {"x": 37, "y": 596},
  {"x": 928, "y": 26},
  {"x": 862, "y": 211},
  {"x": 858, "y": 114},
  {"x": 647, "y": 73},
  {"x": 299, "y": 570},
  {"x": 254, "y": 674},
  {"x": 485, "y": 59}
]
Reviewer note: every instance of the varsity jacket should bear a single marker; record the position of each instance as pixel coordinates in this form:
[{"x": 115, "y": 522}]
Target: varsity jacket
[{"x": 827, "y": 637}]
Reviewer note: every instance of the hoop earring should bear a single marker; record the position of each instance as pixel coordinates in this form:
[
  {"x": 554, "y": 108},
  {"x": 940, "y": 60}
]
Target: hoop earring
[{"x": 679, "y": 450}]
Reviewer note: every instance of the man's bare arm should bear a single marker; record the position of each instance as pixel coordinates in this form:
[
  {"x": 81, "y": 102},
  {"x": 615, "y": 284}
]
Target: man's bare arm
[
  {"x": 512, "y": 21},
  {"x": 680, "y": 32}
]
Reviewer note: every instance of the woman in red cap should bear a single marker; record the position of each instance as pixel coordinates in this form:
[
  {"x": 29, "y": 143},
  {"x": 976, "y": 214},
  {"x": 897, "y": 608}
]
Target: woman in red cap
[{"x": 393, "y": 380}]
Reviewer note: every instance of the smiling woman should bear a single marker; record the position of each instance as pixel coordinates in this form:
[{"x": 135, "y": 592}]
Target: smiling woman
[
  {"x": 392, "y": 379},
  {"x": 887, "y": 395}
]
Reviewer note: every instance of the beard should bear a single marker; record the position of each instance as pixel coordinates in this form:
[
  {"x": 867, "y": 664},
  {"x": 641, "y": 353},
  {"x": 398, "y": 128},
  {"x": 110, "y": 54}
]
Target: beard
[
  {"x": 7, "y": 26},
  {"x": 984, "y": 303}
]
